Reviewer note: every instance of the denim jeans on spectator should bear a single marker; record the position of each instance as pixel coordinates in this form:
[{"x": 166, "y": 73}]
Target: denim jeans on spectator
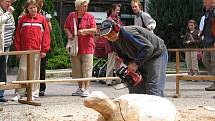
[
  {"x": 209, "y": 62},
  {"x": 154, "y": 76},
  {"x": 3, "y": 69}
]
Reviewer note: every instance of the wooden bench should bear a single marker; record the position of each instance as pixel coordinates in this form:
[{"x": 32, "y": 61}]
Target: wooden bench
[
  {"x": 8, "y": 86},
  {"x": 180, "y": 76}
]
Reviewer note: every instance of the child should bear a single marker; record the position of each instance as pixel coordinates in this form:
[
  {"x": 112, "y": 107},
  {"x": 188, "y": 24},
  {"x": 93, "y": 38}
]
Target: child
[
  {"x": 192, "y": 41},
  {"x": 32, "y": 33}
]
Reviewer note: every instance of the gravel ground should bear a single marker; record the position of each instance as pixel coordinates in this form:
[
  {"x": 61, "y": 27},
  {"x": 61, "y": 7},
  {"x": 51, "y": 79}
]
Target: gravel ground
[{"x": 59, "y": 105}]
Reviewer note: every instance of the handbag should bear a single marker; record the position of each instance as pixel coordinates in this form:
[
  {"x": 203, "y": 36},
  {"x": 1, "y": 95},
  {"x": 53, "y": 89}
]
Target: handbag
[
  {"x": 72, "y": 45},
  {"x": 199, "y": 53}
]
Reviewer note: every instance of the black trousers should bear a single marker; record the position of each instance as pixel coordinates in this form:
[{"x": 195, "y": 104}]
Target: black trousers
[
  {"x": 3, "y": 72},
  {"x": 43, "y": 73}
]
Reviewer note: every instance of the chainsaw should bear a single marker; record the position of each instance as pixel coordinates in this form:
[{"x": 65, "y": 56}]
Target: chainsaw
[{"x": 128, "y": 77}]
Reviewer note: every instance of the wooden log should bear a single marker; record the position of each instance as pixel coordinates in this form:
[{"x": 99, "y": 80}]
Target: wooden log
[
  {"x": 29, "y": 76},
  {"x": 20, "y": 52},
  {"x": 198, "y": 77},
  {"x": 12, "y": 86},
  {"x": 29, "y": 102},
  {"x": 191, "y": 49},
  {"x": 65, "y": 80},
  {"x": 177, "y": 62},
  {"x": 180, "y": 74},
  {"x": 74, "y": 79}
]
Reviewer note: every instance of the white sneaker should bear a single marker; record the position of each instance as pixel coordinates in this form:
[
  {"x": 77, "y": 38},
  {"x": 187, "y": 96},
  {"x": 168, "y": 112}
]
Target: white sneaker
[
  {"x": 85, "y": 93},
  {"x": 33, "y": 98},
  {"x": 78, "y": 92},
  {"x": 17, "y": 97}
]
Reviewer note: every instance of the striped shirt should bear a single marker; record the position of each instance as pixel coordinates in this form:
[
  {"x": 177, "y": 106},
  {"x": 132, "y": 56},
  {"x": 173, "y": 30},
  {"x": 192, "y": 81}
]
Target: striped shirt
[
  {"x": 8, "y": 31},
  {"x": 47, "y": 15}
]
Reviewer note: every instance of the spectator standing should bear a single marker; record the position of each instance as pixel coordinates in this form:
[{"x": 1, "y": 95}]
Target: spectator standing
[
  {"x": 32, "y": 33},
  {"x": 142, "y": 18},
  {"x": 192, "y": 40},
  {"x": 7, "y": 27},
  {"x": 43, "y": 60},
  {"x": 201, "y": 24},
  {"x": 141, "y": 50},
  {"x": 82, "y": 64},
  {"x": 113, "y": 14},
  {"x": 208, "y": 40}
]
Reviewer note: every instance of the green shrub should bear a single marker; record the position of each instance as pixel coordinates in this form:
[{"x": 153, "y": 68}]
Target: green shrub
[
  {"x": 59, "y": 60},
  {"x": 56, "y": 38}
]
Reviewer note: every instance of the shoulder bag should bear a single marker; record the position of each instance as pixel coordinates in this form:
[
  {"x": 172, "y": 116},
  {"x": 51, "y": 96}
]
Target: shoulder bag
[{"x": 72, "y": 45}]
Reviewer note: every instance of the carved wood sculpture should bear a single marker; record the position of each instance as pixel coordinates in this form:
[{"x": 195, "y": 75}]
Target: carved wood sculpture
[{"x": 131, "y": 107}]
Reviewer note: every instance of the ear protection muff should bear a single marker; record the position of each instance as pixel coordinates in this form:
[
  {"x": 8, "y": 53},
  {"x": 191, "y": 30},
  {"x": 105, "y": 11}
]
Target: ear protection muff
[{"x": 115, "y": 26}]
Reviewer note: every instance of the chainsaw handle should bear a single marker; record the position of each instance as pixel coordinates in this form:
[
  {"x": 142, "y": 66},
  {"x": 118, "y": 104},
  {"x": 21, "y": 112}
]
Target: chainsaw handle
[{"x": 132, "y": 67}]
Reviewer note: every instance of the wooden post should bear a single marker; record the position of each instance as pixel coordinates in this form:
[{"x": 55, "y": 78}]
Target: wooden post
[
  {"x": 177, "y": 64},
  {"x": 29, "y": 76},
  {"x": 177, "y": 87},
  {"x": 29, "y": 86},
  {"x": 177, "y": 61},
  {"x": 65, "y": 80}
]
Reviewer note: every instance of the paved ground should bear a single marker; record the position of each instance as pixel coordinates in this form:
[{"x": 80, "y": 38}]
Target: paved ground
[{"x": 59, "y": 105}]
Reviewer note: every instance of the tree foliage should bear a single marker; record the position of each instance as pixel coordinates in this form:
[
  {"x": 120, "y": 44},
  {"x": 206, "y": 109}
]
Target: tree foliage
[
  {"x": 172, "y": 16},
  {"x": 18, "y": 5}
]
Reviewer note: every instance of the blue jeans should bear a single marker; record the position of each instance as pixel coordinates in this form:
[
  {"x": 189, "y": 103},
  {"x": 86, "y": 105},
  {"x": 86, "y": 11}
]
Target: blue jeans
[
  {"x": 154, "y": 76},
  {"x": 3, "y": 70},
  {"x": 209, "y": 62}
]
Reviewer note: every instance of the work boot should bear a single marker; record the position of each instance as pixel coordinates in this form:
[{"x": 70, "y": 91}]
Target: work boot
[{"x": 211, "y": 87}]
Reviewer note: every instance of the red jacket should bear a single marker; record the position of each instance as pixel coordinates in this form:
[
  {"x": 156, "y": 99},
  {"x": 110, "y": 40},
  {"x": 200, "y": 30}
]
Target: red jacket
[
  {"x": 32, "y": 33},
  {"x": 85, "y": 42}
]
